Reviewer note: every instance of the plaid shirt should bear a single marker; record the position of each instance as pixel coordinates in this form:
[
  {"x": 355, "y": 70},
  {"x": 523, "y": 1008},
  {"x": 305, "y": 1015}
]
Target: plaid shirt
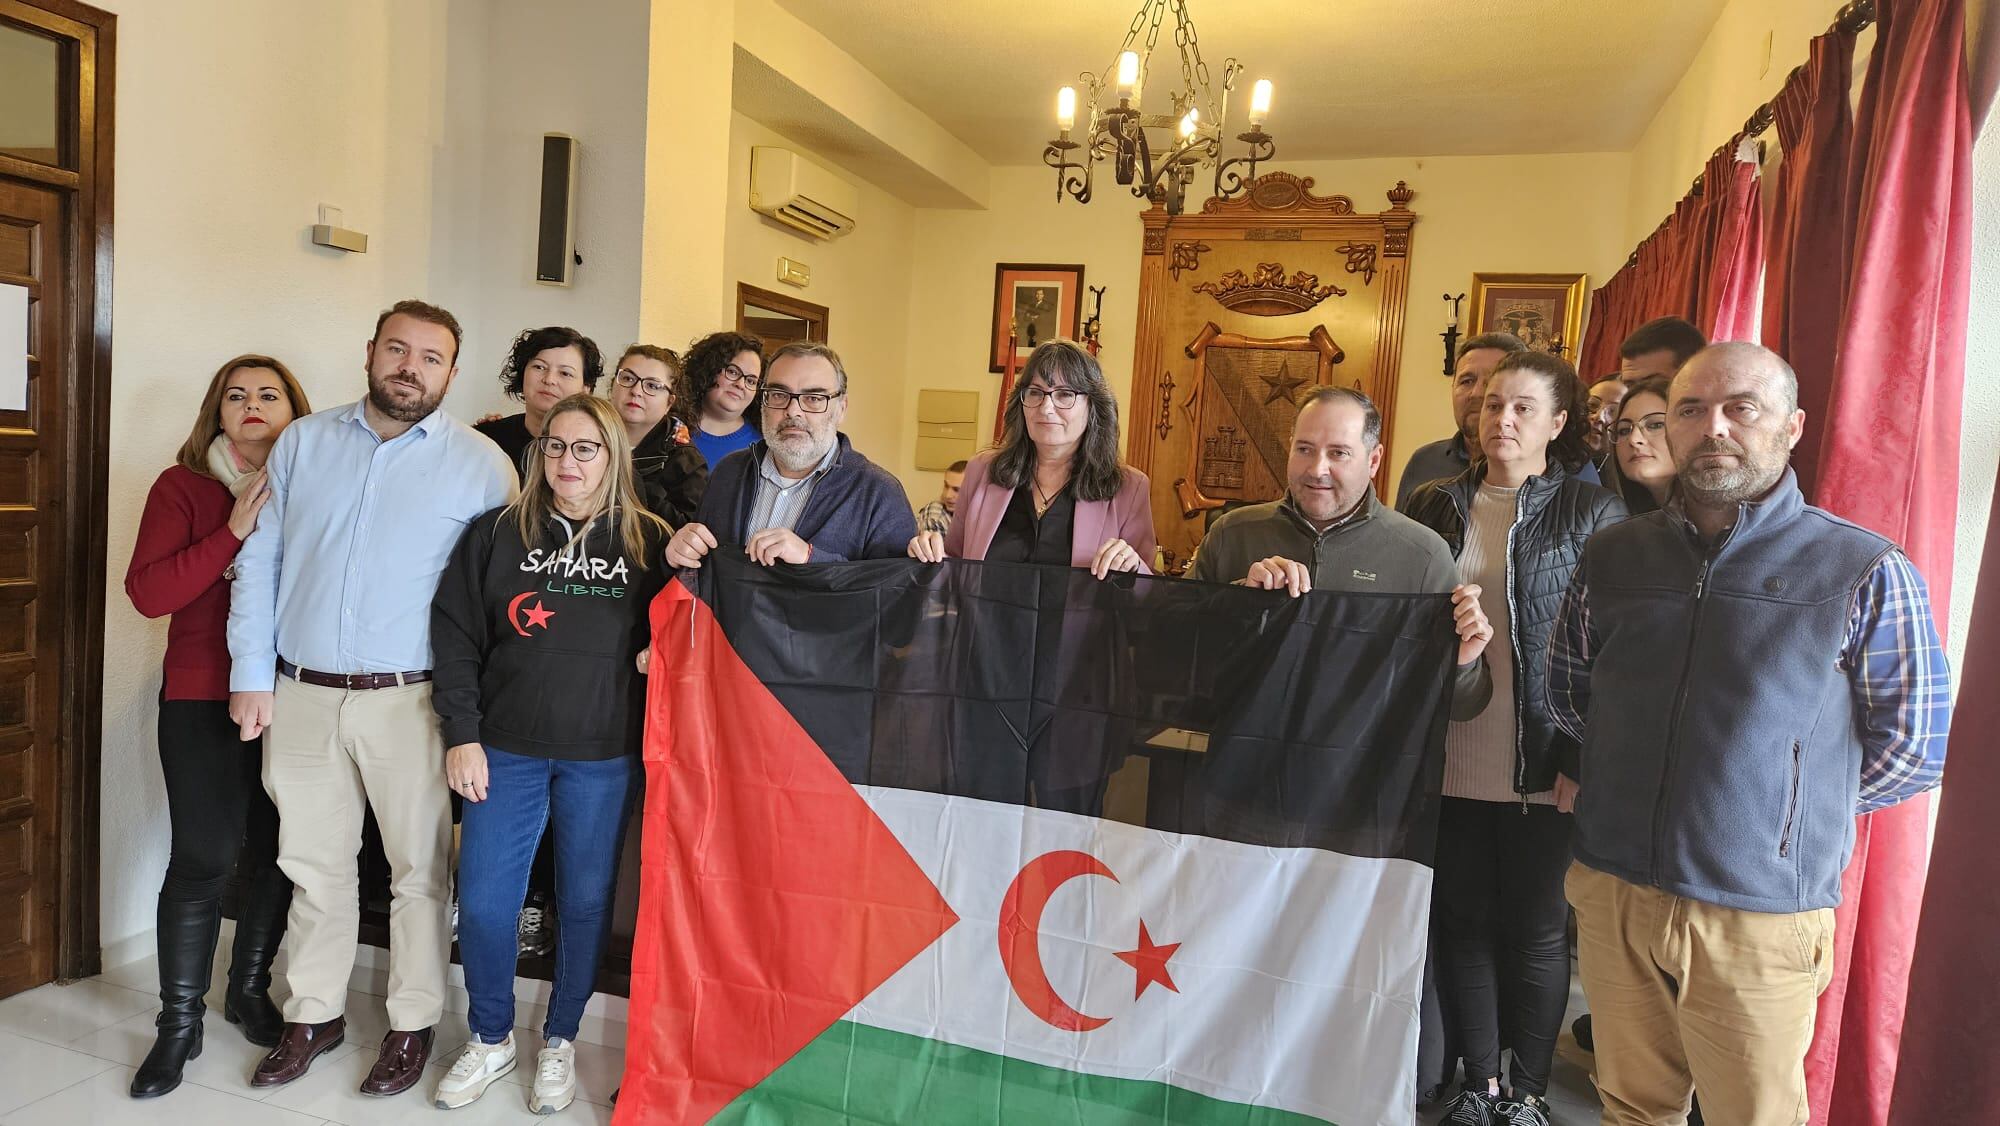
[
  {"x": 934, "y": 517},
  {"x": 1894, "y": 660}
]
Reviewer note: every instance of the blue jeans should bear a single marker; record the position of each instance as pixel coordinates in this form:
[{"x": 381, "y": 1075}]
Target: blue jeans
[{"x": 584, "y": 805}]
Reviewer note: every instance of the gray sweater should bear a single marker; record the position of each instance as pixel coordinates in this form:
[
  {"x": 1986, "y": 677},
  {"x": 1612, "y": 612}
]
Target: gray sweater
[{"x": 1377, "y": 550}]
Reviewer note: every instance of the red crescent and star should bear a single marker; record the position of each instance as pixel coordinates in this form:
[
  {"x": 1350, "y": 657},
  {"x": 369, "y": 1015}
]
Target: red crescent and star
[
  {"x": 536, "y": 615},
  {"x": 1021, "y": 933}
]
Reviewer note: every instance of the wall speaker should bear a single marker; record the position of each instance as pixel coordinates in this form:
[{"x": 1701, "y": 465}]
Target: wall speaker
[{"x": 555, "y": 241}]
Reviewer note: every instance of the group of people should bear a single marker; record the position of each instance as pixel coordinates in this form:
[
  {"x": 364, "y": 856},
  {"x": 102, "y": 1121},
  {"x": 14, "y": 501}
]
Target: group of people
[
  {"x": 1684, "y": 709},
  {"x": 378, "y": 609},
  {"x": 1707, "y": 679}
]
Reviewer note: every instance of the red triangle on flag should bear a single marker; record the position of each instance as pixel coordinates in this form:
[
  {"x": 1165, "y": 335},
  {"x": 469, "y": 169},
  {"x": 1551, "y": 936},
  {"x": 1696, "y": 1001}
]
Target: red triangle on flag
[{"x": 772, "y": 899}]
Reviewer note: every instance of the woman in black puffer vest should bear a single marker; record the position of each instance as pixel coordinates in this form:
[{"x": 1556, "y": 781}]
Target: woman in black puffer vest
[{"x": 1517, "y": 521}]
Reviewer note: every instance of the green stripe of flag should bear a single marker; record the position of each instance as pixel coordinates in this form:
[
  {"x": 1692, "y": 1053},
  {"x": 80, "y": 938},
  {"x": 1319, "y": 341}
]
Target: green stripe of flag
[{"x": 853, "y": 1073}]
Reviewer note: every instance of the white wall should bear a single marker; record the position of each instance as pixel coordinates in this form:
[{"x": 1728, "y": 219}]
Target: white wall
[
  {"x": 863, "y": 278},
  {"x": 517, "y": 69},
  {"x": 298, "y": 105},
  {"x": 1980, "y": 436},
  {"x": 1516, "y": 214}
]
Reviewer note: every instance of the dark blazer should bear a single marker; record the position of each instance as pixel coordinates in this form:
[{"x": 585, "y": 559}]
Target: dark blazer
[{"x": 857, "y": 511}]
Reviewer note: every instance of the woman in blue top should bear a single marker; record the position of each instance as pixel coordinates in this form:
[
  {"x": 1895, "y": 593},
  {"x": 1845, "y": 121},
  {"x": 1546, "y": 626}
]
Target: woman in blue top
[{"x": 722, "y": 373}]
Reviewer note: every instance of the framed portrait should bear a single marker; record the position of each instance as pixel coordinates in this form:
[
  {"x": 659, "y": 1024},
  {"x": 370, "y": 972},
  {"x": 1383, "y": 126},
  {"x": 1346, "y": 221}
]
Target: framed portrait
[
  {"x": 1544, "y": 310},
  {"x": 1036, "y": 302}
]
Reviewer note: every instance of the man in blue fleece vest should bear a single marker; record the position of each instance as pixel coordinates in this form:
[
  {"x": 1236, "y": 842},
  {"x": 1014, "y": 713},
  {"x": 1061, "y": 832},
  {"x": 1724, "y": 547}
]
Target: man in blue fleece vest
[
  {"x": 802, "y": 494},
  {"x": 1745, "y": 672}
]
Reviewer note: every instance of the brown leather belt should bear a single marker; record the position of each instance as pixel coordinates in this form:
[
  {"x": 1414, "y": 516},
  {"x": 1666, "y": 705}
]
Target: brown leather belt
[{"x": 352, "y": 682}]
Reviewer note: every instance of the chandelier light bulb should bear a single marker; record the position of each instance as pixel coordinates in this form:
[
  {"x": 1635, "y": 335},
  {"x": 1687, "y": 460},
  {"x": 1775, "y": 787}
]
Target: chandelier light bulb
[
  {"x": 1066, "y": 108},
  {"x": 1188, "y": 123},
  {"x": 1260, "y": 102},
  {"x": 1128, "y": 74}
]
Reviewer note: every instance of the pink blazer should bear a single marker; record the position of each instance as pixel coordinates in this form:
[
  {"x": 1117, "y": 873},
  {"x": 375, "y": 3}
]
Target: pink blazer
[{"x": 981, "y": 503}]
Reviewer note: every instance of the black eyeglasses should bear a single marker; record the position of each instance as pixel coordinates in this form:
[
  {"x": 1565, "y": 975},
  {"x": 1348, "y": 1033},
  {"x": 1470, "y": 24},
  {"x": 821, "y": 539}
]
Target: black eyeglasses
[
  {"x": 553, "y": 448},
  {"x": 736, "y": 374},
  {"x": 1065, "y": 397},
  {"x": 811, "y": 402},
  {"x": 629, "y": 378},
  {"x": 1654, "y": 425}
]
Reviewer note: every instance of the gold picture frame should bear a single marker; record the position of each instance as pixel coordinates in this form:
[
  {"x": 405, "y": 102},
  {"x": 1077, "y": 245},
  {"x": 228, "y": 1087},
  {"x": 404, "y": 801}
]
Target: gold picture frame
[{"x": 1544, "y": 310}]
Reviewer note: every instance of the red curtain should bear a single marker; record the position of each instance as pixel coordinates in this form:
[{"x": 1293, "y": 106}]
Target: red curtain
[
  {"x": 1806, "y": 274},
  {"x": 1726, "y": 304},
  {"x": 1702, "y": 264},
  {"x": 1953, "y": 1017},
  {"x": 1889, "y": 460}
]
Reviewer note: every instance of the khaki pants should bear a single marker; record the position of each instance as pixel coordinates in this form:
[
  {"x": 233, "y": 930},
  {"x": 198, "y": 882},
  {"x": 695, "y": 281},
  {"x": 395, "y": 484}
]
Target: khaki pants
[
  {"x": 1689, "y": 996},
  {"x": 330, "y": 755}
]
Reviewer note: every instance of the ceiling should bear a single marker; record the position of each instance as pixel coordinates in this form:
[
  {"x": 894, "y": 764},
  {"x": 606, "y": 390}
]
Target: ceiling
[{"x": 1353, "y": 78}]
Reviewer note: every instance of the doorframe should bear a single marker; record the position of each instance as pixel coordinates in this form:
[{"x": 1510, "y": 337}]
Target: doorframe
[
  {"x": 814, "y": 315},
  {"x": 79, "y": 726}
]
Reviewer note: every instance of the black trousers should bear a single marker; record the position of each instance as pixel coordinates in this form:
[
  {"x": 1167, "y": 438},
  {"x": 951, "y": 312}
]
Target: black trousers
[
  {"x": 216, "y": 803},
  {"x": 1502, "y": 953}
]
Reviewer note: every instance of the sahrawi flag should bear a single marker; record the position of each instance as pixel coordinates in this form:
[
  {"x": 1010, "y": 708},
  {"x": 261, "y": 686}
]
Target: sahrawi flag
[{"x": 985, "y": 843}]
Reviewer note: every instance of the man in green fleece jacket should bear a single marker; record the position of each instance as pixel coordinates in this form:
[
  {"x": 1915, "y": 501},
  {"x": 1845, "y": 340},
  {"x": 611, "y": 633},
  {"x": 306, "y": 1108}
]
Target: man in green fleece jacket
[{"x": 1331, "y": 532}]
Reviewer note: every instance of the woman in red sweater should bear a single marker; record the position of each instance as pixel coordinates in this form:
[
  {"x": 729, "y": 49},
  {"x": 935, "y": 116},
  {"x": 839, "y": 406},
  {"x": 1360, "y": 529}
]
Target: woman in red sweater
[{"x": 199, "y": 512}]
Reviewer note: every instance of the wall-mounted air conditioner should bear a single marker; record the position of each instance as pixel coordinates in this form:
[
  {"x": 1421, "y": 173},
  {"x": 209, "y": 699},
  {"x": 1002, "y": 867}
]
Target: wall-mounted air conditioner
[{"x": 800, "y": 194}]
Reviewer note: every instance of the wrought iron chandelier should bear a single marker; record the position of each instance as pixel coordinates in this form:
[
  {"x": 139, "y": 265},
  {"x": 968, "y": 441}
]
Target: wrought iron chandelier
[{"x": 1116, "y": 128}]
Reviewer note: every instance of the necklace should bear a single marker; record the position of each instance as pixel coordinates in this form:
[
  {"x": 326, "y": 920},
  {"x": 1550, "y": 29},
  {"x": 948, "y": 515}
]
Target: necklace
[{"x": 1042, "y": 500}]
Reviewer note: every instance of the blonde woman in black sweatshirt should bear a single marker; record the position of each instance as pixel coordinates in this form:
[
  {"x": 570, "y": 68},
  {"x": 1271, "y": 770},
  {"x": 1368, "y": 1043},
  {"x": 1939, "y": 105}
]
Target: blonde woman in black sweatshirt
[{"x": 534, "y": 633}]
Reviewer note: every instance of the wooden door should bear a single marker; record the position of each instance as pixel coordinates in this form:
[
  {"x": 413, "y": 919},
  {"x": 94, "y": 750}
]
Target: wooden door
[
  {"x": 31, "y": 590},
  {"x": 1244, "y": 307},
  {"x": 55, "y": 229}
]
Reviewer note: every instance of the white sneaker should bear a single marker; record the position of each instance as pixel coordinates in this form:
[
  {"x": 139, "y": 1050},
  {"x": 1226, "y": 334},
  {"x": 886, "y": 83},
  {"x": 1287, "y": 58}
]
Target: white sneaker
[
  {"x": 555, "y": 1077},
  {"x": 476, "y": 1067}
]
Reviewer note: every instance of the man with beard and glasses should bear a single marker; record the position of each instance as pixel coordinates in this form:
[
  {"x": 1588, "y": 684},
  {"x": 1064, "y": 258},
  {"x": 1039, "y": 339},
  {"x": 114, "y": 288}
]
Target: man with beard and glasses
[
  {"x": 1448, "y": 457},
  {"x": 1746, "y": 672},
  {"x": 329, "y": 640},
  {"x": 802, "y": 493}
]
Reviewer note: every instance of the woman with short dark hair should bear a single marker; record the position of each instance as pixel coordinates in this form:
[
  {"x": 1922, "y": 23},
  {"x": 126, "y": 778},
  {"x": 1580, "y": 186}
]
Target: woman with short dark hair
[
  {"x": 544, "y": 366},
  {"x": 199, "y": 513},
  {"x": 1516, "y": 520},
  {"x": 722, "y": 374}
]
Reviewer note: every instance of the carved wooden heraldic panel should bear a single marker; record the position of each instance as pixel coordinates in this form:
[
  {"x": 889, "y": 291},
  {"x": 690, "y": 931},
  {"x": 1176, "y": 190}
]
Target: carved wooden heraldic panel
[{"x": 1240, "y": 308}]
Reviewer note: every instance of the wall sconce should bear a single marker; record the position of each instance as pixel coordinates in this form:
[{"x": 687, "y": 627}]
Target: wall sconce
[{"x": 1450, "y": 334}]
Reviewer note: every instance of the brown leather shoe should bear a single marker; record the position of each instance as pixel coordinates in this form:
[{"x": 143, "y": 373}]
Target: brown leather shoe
[
  {"x": 400, "y": 1064},
  {"x": 297, "y": 1047}
]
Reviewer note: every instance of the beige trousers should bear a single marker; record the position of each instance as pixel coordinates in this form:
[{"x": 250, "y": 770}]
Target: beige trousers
[
  {"x": 1689, "y": 996},
  {"x": 330, "y": 755}
]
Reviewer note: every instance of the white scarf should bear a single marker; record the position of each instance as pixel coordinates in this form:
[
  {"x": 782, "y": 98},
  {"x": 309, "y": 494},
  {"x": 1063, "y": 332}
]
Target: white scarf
[{"x": 228, "y": 465}]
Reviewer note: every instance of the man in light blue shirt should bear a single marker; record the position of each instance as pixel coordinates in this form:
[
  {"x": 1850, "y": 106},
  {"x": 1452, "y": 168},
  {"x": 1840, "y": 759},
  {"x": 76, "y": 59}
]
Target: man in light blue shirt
[{"x": 329, "y": 641}]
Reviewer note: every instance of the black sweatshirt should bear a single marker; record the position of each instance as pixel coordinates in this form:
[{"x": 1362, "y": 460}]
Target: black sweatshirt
[{"x": 533, "y": 648}]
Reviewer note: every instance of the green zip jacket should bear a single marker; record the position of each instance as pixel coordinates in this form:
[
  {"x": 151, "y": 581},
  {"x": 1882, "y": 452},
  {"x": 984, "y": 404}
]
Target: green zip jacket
[{"x": 1376, "y": 550}]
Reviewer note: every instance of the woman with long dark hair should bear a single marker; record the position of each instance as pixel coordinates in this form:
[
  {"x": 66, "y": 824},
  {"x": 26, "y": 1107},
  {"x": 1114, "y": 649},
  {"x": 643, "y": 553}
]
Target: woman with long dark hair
[
  {"x": 534, "y": 632},
  {"x": 199, "y": 513},
  {"x": 1642, "y": 468},
  {"x": 722, "y": 373},
  {"x": 544, "y": 366},
  {"x": 1054, "y": 490},
  {"x": 1517, "y": 521}
]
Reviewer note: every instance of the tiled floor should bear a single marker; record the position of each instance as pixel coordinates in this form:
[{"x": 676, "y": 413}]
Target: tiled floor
[{"x": 67, "y": 1054}]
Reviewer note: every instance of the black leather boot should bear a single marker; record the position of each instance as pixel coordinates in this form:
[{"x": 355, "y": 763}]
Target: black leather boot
[
  {"x": 260, "y": 926},
  {"x": 186, "y": 935}
]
